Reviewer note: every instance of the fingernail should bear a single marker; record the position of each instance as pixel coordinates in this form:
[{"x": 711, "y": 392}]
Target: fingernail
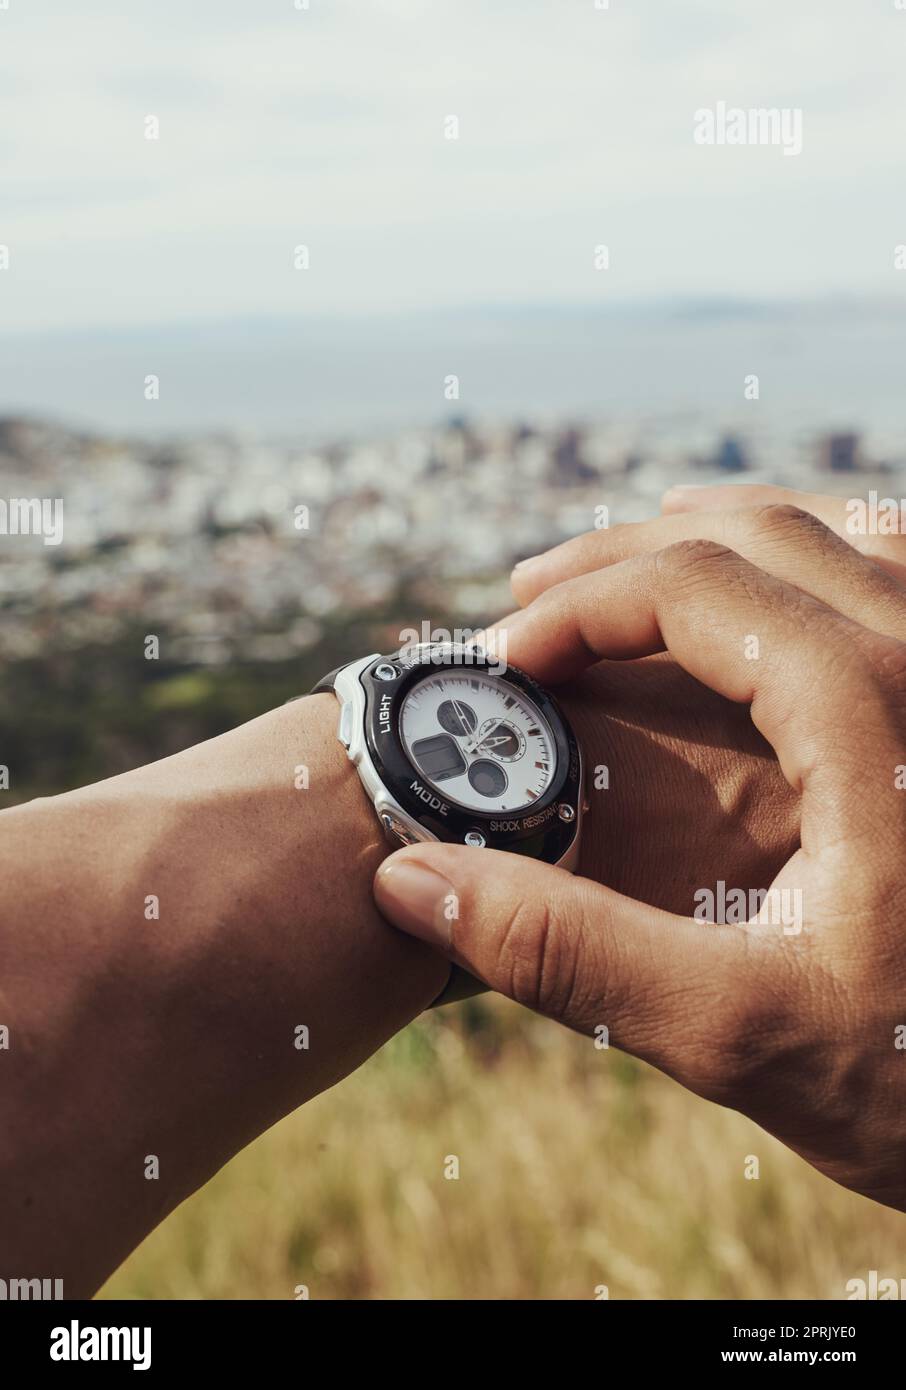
[
  {"x": 417, "y": 899},
  {"x": 529, "y": 560}
]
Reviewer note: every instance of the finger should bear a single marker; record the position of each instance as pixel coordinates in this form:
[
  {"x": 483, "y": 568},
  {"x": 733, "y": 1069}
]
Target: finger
[
  {"x": 793, "y": 544},
  {"x": 881, "y": 535},
  {"x": 726, "y": 496},
  {"x": 809, "y": 674},
  {"x": 573, "y": 950}
]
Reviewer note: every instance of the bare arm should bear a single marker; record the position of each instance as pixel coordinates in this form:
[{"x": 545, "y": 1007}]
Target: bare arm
[{"x": 132, "y": 1035}]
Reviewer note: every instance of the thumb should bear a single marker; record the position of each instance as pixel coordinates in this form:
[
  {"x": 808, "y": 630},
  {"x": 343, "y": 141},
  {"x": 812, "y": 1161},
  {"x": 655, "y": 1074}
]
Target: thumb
[{"x": 566, "y": 947}]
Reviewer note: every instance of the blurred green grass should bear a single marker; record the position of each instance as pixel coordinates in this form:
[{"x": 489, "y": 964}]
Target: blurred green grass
[{"x": 578, "y": 1168}]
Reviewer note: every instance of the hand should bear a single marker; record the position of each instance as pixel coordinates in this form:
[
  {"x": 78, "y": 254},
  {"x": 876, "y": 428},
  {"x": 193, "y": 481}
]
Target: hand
[
  {"x": 795, "y": 535},
  {"x": 800, "y": 1029},
  {"x": 693, "y": 786}
]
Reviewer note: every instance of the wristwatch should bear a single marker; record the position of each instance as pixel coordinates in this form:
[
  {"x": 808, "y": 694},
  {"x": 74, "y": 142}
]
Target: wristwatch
[{"x": 452, "y": 744}]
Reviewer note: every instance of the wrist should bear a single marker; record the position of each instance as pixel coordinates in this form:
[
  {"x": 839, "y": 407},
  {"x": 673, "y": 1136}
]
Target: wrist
[{"x": 682, "y": 788}]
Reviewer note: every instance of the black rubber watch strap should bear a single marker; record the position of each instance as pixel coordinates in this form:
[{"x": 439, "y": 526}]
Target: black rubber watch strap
[
  {"x": 327, "y": 682},
  {"x": 460, "y": 985}
]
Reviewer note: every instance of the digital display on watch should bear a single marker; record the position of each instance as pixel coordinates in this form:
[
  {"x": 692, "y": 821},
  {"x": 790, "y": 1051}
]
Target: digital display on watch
[{"x": 438, "y": 757}]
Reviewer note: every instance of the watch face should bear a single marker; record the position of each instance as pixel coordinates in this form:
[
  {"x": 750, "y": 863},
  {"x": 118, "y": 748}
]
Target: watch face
[{"x": 478, "y": 740}]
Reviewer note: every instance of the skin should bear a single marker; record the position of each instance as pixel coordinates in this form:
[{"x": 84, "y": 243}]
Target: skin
[
  {"x": 798, "y": 1029},
  {"x": 174, "y": 1036}
]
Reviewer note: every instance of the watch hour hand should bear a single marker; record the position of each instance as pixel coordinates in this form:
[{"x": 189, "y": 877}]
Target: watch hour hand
[{"x": 461, "y": 717}]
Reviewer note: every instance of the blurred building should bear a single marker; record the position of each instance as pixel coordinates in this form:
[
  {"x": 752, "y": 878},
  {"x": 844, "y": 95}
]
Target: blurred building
[{"x": 839, "y": 453}]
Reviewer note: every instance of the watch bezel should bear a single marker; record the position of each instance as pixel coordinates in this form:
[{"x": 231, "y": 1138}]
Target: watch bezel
[{"x": 542, "y": 830}]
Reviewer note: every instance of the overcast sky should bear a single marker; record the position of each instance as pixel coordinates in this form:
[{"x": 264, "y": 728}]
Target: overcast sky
[{"x": 325, "y": 127}]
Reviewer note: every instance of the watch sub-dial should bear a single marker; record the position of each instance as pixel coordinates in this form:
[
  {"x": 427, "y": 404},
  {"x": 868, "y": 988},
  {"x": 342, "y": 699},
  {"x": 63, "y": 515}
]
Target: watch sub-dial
[
  {"x": 500, "y": 739},
  {"x": 457, "y": 718},
  {"x": 487, "y": 778}
]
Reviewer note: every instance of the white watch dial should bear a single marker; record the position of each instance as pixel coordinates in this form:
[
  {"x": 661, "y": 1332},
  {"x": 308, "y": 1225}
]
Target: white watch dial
[{"x": 478, "y": 740}]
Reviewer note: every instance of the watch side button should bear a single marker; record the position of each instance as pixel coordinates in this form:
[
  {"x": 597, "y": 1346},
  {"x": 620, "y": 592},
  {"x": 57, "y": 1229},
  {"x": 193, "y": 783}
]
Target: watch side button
[
  {"x": 398, "y": 829},
  {"x": 344, "y": 725}
]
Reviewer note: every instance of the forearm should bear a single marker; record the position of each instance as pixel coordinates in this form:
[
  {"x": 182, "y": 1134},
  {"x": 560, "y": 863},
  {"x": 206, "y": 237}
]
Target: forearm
[{"x": 163, "y": 937}]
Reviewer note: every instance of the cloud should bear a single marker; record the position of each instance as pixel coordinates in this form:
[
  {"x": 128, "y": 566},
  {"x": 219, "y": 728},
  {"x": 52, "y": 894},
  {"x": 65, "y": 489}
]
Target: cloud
[{"x": 325, "y": 127}]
